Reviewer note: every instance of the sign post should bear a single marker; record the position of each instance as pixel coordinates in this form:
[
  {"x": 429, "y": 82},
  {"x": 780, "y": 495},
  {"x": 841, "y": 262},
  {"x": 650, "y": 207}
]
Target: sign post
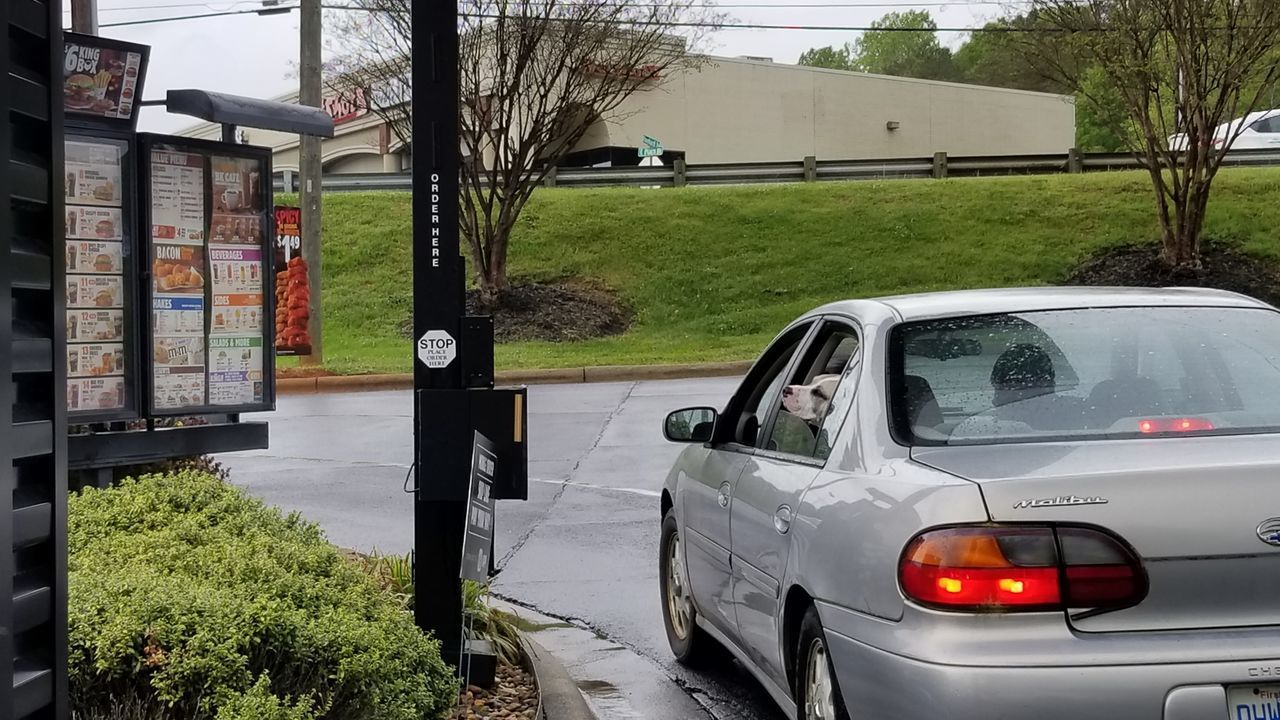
[{"x": 442, "y": 433}]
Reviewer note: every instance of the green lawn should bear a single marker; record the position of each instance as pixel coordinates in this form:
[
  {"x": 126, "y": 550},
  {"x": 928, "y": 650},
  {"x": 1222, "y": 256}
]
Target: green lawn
[{"x": 712, "y": 273}]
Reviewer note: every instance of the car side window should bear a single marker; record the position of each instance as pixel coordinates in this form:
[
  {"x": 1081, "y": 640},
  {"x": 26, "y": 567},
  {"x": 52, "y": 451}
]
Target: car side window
[
  {"x": 759, "y": 394},
  {"x": 812, "y": 407},
  {"x": 1267, "y": 126}
]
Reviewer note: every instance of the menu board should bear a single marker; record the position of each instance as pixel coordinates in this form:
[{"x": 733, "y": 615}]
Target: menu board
[
  {"x": 178, "y": 273},
  {"x": 292, "y": 293},
  {"x": 239, "y": 311},
  {"x": 101, "y": 78},
  {"x": 208, "y": 268},
  {"x": 95, "y": 272},
  {"x": 177, "y": 196}
]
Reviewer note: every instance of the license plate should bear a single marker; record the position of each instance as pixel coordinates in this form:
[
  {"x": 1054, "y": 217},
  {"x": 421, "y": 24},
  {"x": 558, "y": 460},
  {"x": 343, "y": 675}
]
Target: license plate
[{"x": 1253, "y": 702}]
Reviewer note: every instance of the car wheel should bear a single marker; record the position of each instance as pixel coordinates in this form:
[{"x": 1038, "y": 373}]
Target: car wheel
[
  {"x": 690, "y": 644},
  {"x": 817, "y": 691}
]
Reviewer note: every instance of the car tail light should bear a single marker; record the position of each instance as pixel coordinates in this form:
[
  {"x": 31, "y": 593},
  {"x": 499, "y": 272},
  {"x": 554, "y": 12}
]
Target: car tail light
[
  {"x": 1176, "y": 425},
  {"x": 1020, "y": 568}
]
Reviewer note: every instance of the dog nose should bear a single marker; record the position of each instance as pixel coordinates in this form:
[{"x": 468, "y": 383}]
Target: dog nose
[{"x": 787, "y": 391}]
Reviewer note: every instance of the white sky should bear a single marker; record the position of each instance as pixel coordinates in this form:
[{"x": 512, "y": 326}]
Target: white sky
[{"x": 255, "y": 55}]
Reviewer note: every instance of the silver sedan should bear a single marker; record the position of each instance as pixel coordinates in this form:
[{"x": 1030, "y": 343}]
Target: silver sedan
[{"x": 1048, "y": 503}]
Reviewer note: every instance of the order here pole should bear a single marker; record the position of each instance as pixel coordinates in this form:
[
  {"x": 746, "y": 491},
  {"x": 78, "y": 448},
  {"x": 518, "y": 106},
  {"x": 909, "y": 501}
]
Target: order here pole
[{"x": 442, "y": 432}]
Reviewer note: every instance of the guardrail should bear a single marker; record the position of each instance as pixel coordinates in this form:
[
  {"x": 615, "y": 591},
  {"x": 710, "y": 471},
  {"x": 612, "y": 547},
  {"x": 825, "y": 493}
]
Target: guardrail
[{"x": 809, "y": 169}]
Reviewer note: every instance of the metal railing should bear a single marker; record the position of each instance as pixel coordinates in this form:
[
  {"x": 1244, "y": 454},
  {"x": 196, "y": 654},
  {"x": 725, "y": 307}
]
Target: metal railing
[{"x": 809, "y": 169}]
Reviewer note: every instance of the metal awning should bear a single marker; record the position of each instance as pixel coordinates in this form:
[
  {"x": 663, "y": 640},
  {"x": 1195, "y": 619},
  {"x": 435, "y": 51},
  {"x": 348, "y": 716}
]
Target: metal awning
[{"x": 237, "y": 111}]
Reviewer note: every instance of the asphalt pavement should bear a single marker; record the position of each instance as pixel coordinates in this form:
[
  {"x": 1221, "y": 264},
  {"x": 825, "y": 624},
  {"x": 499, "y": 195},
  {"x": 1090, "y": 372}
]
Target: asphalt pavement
[{"x": 582, "y": 549}]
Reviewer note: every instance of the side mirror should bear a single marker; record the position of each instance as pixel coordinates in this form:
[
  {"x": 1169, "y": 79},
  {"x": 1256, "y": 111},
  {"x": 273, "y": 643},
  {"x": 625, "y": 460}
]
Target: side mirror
[{"x": 691, "y": 425}]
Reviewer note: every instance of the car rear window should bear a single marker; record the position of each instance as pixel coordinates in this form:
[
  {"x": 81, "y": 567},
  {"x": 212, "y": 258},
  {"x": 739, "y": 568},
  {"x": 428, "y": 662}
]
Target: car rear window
[{"x": 1090, "y": 373}]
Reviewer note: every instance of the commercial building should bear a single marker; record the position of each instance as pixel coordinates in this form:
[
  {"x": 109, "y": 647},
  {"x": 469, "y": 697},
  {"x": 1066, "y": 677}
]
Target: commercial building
[{"x": 740, "y": 110}]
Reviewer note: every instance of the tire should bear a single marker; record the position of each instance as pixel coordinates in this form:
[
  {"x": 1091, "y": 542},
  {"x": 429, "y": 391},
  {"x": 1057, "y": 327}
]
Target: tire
[
  {"x": 690, "y": 644},
  {"x": 819, "y": 700}
]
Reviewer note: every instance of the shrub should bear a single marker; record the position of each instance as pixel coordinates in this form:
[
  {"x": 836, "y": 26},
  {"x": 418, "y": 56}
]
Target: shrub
[{"x": 190, "y": 600}]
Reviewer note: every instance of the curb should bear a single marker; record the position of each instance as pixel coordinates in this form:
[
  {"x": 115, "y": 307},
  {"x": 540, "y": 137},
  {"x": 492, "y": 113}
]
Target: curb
[
  {"x": 604, "y": 373},
  {"x": 558, "y": 694}
]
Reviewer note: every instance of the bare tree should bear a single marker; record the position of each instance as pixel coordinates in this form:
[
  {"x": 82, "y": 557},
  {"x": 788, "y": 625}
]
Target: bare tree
[
  {"x": 535, "y": 77},
  {"x": 1182, "y": 69}
]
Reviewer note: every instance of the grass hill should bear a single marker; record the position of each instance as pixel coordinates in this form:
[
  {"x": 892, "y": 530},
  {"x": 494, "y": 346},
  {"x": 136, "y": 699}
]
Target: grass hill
[{"x": 713, "y": 273}]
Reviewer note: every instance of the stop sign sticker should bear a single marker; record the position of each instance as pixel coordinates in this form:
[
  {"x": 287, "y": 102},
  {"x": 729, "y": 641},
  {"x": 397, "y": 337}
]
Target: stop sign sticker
[{"x": 436, "y": 349}]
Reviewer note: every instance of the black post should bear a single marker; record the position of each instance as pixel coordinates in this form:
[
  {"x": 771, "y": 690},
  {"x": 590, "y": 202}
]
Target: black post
[{"x": 442, "y": 427}]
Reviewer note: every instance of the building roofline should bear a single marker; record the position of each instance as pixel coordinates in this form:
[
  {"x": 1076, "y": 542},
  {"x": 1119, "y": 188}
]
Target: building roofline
[{"x": 894, "y": 78}]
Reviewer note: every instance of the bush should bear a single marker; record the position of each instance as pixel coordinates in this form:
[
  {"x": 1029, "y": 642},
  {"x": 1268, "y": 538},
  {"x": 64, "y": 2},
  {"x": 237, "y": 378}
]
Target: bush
[{"x": 190, "y": 600}]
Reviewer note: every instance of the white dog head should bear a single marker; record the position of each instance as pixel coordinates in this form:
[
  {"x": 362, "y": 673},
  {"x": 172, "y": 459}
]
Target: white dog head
[{"x": 810, "y": 402}]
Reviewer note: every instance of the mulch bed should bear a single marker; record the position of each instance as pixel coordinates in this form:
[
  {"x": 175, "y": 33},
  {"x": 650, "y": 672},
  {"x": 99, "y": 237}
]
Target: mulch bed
[
  {"x": 514, "y": 696},
  {"x": 1224, "y": 267},
  {"x": 563, "y": 311}
]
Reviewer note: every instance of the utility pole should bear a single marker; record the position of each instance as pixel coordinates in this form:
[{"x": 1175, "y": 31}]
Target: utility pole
[
  {"x": 84, "y": 16},
  {"x": 309, "y": 93}
]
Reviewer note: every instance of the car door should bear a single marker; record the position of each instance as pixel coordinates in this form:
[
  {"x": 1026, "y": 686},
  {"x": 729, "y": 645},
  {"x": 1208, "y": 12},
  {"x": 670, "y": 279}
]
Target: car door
[
  {"x": 706, "y": 493},
  {"x": 790, "y": 453}
]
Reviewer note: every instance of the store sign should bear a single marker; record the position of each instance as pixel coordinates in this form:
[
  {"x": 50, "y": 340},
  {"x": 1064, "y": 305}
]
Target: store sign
[
  {"x": 293, "y": 294},
  {"x": 346, "y": 107},
  {"x": 101, "y": 78}
]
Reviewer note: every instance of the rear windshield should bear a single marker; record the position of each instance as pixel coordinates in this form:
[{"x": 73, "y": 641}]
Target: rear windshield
[{"x": 1079, "y": 374}]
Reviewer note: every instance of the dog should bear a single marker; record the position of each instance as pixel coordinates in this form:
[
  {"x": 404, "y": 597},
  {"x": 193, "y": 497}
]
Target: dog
[{"x": 810, "y": 402}]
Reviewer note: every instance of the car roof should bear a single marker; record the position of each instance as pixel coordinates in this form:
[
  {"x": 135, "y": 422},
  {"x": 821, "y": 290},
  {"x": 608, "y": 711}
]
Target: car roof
[{"x": 960, "y": 303}]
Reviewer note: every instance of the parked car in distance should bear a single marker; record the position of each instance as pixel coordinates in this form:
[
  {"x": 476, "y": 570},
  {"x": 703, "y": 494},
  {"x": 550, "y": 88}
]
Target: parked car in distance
[
  {"x": 1057, "y": 503},
  {"x": 1261, "y": 132}
]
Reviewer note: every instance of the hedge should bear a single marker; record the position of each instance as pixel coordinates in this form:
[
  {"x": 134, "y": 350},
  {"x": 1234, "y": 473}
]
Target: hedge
[{"x": 188, "y": 599}]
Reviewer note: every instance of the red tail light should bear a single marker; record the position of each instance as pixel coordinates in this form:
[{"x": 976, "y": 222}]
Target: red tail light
[
  {"x": 1020, "y": 568},
  {"x": 1175, "y": 425}
]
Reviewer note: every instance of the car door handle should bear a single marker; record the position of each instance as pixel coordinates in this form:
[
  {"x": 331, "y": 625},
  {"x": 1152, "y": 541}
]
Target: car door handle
[
  {"x": 782, "y": 520},
  {"x": 723, "y": 497}
]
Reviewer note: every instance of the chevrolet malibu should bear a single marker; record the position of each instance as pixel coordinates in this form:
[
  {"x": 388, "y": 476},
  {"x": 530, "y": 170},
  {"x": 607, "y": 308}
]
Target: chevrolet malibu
[{"x": 1048, "y": 503}]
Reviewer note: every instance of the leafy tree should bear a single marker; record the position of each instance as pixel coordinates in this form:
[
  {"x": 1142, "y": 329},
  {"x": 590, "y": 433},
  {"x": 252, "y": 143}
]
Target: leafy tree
[
  {"x": 904, "y": 44},
  {"x": 534, "y": 77},
  {"x": 995, "y": 58},
  {"x": 1182, "y": 69},
  {"x": 828, "y": 57}
]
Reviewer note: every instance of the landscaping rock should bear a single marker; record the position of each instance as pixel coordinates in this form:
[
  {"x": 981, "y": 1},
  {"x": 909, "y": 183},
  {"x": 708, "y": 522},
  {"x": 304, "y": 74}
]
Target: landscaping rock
[{"x": 514, "y": 697}]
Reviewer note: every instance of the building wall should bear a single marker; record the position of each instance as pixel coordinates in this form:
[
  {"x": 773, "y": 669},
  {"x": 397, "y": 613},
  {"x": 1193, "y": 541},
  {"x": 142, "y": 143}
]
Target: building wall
[
  {"x": 734, "y": 110},
  {"x": 749, "y": 111}
]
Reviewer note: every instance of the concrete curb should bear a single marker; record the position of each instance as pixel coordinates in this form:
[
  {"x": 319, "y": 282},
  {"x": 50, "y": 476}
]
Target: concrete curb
[
  {"x": 558, "y": 694},
  {"x": 604, "y": 373}
]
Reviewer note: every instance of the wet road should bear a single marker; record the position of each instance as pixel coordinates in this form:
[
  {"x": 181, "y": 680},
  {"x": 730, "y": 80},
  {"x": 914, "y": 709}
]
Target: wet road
[{"x": 582, "y": 549}]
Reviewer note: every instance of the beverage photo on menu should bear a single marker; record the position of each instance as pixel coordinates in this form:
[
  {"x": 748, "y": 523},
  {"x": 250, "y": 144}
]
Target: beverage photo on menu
[{"x": 237, "y": 202}]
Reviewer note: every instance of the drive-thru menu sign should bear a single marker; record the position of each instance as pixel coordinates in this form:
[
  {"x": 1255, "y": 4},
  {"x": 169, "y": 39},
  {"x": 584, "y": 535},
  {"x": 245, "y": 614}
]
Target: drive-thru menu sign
[
  {"x": 101, "y": 79},
  {"x": 210, "y": 257}
]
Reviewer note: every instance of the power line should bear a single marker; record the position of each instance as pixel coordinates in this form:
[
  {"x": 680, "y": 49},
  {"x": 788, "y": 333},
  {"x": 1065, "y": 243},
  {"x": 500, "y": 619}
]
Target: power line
[
  {"x": 730, "y": 6},
  {"x": 151, "y": 21}
]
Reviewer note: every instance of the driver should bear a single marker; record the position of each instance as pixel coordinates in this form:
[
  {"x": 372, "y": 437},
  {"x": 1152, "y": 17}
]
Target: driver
[{"x": 1022, "y": 372}]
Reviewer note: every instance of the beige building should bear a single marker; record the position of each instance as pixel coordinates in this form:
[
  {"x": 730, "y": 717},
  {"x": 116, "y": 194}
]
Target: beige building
[{"x": 735, "y": 110}]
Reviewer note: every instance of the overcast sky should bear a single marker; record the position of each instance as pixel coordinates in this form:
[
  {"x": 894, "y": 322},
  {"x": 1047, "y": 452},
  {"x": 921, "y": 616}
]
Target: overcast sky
[{"x": 255, "y": 55}]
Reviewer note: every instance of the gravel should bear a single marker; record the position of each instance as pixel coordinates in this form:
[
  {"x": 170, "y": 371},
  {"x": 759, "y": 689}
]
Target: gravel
[{"x": 514, "y": 697}]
